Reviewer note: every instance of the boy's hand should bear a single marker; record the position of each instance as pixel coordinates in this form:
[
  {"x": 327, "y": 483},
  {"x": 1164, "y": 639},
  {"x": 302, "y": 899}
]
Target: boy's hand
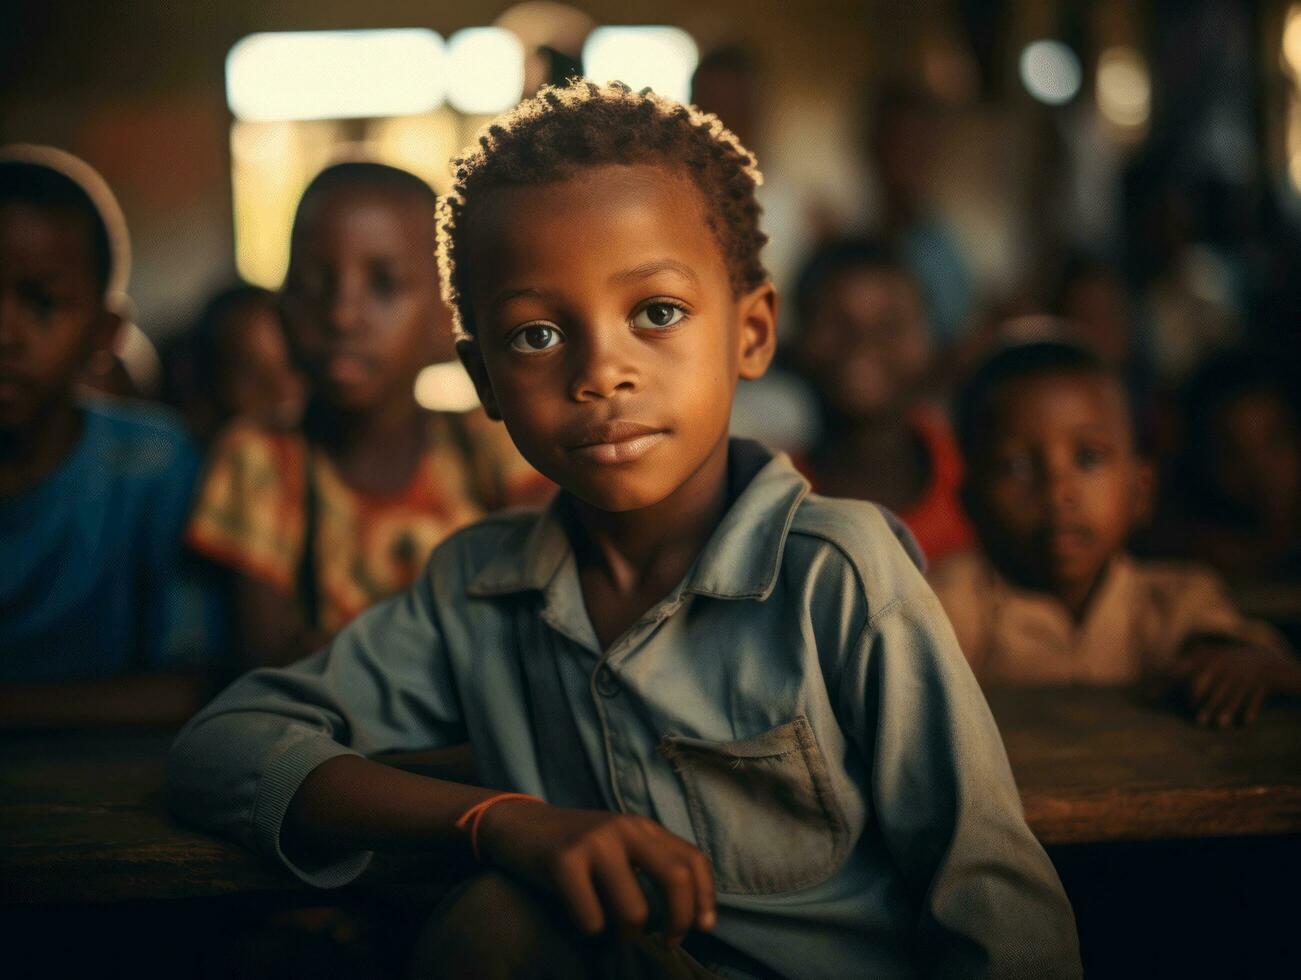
[
  {"x": 591, "y": 859},
  {"x": 1227, "y": 683}
]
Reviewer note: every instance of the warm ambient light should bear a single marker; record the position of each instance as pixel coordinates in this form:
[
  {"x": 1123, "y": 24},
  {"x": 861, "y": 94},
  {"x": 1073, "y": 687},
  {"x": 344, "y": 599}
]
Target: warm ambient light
[
  {"x": 485, "y": 70},
  {"x": 1292, "y": 41},
  {"x": 659, "y": 58},
  {"x": 335, "y": 74},
  {"x": 1124, "y": 90},
  {"x": 446, "y": 388},
  {"x": 1050, "y": 72}
]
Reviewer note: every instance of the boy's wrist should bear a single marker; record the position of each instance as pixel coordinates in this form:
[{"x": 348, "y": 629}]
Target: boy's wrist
[{"x": 497, "y": 826}]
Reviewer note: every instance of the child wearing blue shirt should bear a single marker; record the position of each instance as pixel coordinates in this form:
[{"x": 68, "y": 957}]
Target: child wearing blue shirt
[
  {"x": 99, "y": 622},
  {"x": 744, "y": 709}
]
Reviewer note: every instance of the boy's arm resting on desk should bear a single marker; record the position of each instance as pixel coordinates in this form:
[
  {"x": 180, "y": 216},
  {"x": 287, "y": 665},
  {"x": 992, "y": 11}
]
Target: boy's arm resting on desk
[
  {"x": 947, "y": 805},
  {"x": 1225, "y": 664},
  {"x": 164, "y": 698},
  {"x": 589, "y": 859},
  {"x": 383, "y": 685}
]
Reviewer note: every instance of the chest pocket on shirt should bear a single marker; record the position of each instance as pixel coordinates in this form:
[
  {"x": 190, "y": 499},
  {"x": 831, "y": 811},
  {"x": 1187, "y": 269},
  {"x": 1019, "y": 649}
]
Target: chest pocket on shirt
[{"x": 763, "y": 809}]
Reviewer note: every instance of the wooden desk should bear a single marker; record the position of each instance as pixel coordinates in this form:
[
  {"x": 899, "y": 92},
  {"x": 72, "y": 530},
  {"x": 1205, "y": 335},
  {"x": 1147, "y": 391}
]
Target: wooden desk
[
  {"x": 82, "y": 816},
  {"x": 1097, "y": 766}
]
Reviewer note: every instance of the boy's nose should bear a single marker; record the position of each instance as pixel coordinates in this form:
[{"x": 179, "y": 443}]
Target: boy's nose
[
  {"x": 1063, "y": 490},
  {"x": 603, "y": 369},
  {"x": 344, "y": 314}
]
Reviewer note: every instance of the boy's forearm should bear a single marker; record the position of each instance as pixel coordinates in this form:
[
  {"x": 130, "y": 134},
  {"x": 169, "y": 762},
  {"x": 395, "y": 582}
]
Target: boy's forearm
[
  {"x": 149, "y": 699},
  {"x": 350, "y": 803}
]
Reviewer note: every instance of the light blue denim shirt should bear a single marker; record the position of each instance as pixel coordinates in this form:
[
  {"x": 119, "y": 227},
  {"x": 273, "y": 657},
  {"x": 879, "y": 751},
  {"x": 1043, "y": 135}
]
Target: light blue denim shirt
[{"x": 797, "y": 707}]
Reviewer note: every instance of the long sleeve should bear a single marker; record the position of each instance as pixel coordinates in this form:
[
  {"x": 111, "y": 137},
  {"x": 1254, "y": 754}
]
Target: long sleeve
[
  {"x": 382, "y": 685},
  {"x": 990, "y": 902}
]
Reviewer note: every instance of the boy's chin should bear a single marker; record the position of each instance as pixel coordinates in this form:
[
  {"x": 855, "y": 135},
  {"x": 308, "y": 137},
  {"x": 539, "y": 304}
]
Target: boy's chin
[
  {"x": 1069, "y": 577},
  {"x": 617, "y": 497}
]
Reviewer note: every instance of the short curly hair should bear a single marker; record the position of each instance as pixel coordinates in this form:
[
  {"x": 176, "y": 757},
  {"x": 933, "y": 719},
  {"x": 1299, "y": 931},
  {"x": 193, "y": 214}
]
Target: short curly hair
[{"x": 564, "y": 129}]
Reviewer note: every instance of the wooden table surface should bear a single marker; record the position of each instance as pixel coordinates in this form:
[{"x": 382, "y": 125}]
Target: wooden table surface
[{"x": 82, "y": 816}]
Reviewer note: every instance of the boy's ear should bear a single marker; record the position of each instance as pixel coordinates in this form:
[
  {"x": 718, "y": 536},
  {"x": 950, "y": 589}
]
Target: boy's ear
[
  {"x": 757, "y": 311},
  {"x": 472, "y": 358}
]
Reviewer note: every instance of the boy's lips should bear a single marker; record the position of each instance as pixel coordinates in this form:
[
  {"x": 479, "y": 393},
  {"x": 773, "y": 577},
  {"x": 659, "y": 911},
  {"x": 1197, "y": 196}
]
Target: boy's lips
[
  {"x": 617, "y": 441},
  {"x": 347, "y": 369},
  {"x": 1069, "y": 541}
]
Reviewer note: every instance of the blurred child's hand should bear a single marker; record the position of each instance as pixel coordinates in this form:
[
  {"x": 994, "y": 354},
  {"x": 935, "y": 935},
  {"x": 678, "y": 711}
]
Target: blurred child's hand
[
  {"x": 591, "y": 858},
  {"x": 1227, "y": 683}
]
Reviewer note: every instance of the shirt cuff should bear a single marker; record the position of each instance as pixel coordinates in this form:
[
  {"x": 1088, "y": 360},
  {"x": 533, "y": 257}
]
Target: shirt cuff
[{"x": 276, "y": 789}]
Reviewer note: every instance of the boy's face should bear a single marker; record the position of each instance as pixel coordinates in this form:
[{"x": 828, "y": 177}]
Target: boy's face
[
  {"x": 52, "y": 315},
  {"x": 607, "y": 335},
  {"x": 258, "y": 379},
  {"x": 1256, "y": 454},
  {"x": 361, "y": 304},
  {"x": 865, "y": 344},
  {"x": 1059, "y": 485}
]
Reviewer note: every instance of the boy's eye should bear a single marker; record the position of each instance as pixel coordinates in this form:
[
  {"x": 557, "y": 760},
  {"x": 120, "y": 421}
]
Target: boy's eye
[
  {"x": 535, "y": 337},
  {"x": 384, "y": 280},
  {"x": 1090, "y": 457},
  {"x": 658, "y": 315},
  {"x": 37, "y": 299}
]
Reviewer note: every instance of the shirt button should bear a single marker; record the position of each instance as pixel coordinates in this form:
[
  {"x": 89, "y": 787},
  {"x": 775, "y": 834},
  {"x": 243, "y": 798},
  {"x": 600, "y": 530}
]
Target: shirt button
[{"x": 607, "y": 682}]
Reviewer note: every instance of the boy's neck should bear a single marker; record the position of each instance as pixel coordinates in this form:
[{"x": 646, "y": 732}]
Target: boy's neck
[
  {"x": 28, "y": 457},
  {"x": 629, "y": 560},
  {"x": 1078, "y": 597},
  {"x": 628, "y": 545}
]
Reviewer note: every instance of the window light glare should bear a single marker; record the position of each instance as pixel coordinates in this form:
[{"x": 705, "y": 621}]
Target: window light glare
[
  {"x": 446, "y": 387},
  {"x": 661, "y": 58},
  {"x": 335, "y": 74},
  {"x": 1050, "y": 72},
  {"x": 1124, "y": 89},
  {"x": 485, "y": 70},
  {"x": 1292, "y": 40}
]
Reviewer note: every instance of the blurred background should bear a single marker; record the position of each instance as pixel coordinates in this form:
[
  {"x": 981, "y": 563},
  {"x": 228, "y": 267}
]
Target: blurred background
[
  {"x": 1132, "y": 168},
  {"x": 1129, "y": 167},
  {"x": 1162, "y": 137}
]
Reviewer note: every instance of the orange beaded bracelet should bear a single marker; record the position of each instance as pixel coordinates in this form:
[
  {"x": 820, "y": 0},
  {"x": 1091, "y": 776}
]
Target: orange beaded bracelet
[{"x": 472, "y": 817}]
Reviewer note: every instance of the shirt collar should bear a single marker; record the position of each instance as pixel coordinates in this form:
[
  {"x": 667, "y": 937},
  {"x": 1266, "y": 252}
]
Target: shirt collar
[{"x": 741, "y": 559}]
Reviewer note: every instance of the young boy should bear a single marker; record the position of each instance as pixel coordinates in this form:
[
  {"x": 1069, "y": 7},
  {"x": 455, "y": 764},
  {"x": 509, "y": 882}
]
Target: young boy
[
  {"x": 734, "y": 696},
  {"x": 98, "y": 623},
  {"x": 318, "y": 523},
  {"x": 864, "y": 343},
  {"x": 1056, "y": 486},
  {"x": 235, "y": 364}
]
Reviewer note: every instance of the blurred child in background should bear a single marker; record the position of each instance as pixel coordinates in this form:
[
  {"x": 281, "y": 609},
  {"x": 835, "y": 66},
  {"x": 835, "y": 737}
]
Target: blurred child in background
[
  {"x": 236, "y": 363},
  {"x": 1239, "y": 482},
  {"x": 864, "y": 343},
  {"x": 901, "y": 137},
  {"x": 99, "y": 622},
  {"x": 1055, "y": 486},
  {"x": 318, "y": 523}
]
